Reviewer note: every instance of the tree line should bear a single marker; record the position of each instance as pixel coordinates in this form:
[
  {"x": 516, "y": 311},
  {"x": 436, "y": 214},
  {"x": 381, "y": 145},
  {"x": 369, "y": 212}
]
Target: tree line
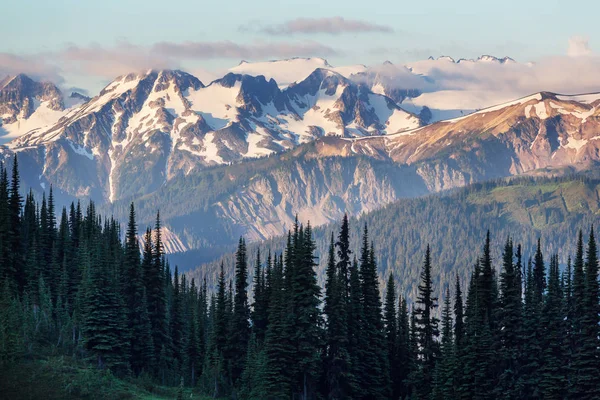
[{"x": 75, "y": 287}]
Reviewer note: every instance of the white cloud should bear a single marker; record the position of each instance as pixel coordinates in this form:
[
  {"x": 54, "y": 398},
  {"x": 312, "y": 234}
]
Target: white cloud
[
  {"x": 329, "y": 25},
  {"x": 37, "y": 67},
  {"x": 107, "y": 62},
  {"x": 579, "y": 46}
]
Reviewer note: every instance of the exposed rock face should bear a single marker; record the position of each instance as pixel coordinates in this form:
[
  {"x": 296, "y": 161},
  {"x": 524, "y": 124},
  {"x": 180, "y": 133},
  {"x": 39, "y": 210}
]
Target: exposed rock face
[
  {"x": 334, "y": 146},
  {"x": 319, "y": 190},
  {"x": 17, "y": 95},
  {"x": 27, "y": 105},
  {"x": 144, "y": 129},
  {"x": 544, "y": 130}
]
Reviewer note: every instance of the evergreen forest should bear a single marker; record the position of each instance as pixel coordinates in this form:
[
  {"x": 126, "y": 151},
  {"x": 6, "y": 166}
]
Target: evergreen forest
[{"x": 78, "y": 292}]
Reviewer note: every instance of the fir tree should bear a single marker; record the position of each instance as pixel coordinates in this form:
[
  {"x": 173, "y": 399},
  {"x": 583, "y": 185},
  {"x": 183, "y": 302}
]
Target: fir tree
[
  {"x": 585, "y": 363},
  {"x": 240, "y": 328},
  {"x": 553, "y": 382},
  {"x": 337, "y": 360},
  {"x": 307, "y": 325}
]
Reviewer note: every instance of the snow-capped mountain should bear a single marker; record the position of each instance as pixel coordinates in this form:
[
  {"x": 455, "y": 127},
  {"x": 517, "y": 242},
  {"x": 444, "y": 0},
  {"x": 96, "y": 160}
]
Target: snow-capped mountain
[
  {"x": 481, "y": 59},
  {"x": 293, "y": 70},
  {"x": 144, "y": 129},
  {"x": 544, "y": 130},
  {"x": 543, "y": 133},
  {"x": 27, "y": 105}
]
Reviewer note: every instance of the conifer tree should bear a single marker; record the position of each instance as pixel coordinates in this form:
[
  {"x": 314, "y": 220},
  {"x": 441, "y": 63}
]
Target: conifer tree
[
  {"x": 400, "y": 371},
  {"x": 427, "y": 325},
  {"x": 553, "y": 382},
  {"x": 259, "y": 312},
  {"x": 445, "y": 368},
  {"x": 510, "y": 323},
  {"x": 531, "y": 355},
  {"x": 391, "y": 329},
  {"x": 337, "y": 360},
  {"x": 374, "y": 379},
  {"x": 277, "y": 348},
  {"x": 458, "y": 316},
  {"x": 586, "y": 383},
  {"x": 307, "y": 324},
  {"x": 155, "y": 290},
  {"x": 240, "y": 328},
  {"x": 14, "y": 264}
]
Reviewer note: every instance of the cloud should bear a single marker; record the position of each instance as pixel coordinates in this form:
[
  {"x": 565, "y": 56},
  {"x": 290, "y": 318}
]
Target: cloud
[
  {"x": 35, "y": 66},
  {"x": 331, "y": 26},
  {"x": 107, "y": 62},
  {"x": 469, "y": 85},
  {"x": 227, "y": 49},
  {"x": 579, "y": 46}
]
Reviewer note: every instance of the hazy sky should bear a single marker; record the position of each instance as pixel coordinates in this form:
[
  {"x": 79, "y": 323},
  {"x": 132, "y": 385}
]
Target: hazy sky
[{"x": 85, "y": 42}]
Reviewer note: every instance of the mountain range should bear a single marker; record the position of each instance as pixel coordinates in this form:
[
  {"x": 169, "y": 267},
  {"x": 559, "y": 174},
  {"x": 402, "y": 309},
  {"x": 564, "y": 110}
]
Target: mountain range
[{"x": 245, "y": 153}]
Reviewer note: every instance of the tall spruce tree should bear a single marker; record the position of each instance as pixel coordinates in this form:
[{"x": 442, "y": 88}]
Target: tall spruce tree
[
  {"x": 307, "y": 324},
  {"x": 553, "y": 382},
  {"x": 428, "y": 331},
  {"x": 240, "y": 327},
  {"x": 445, "y": 369},
  {"x": 391, "y": 330},
  {"x": 585, "y": 363},
  {"x": 510, "y": 323}
]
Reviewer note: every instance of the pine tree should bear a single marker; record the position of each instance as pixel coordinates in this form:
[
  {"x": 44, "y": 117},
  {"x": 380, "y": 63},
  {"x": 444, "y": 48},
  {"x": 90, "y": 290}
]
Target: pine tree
[
  {"x": 338, "y": 359},
  {"x": 531, "y": 354},
  {"x": 277, "y": 348},
  {"x": 458, "y": 316},
  {"x": 176, "y": 317},
  {"x": 344, "y": 253},
  {"x": 219, "y": 337},
  {"x": 445, "y": 369},
  {"x": 14, "y": 264},
  {"x": 307, "y": 324},
  {"x": 374, "y": 379},
  {"x": 553, "y": 381},
  {"x": 240, "y": 327},
  {"x": 103, "y": 327},
  {"x": 259, "y": 312},
  {"x": 391, "y": 330},
  {"x": 585, "y": 363},
  {"x": 510, "y": 323},
  {"x": 154, "y": 273},
  {"x": 138, "y": 320},
  {"x": 427, "y": 325},
  {"x": 400, "y": 371}
]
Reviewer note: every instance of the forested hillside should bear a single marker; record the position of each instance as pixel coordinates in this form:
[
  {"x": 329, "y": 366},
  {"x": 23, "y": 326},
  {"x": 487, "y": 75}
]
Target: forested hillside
[
  {"x": 453, "y": 223},
  {"x": 85, "y": 308}
]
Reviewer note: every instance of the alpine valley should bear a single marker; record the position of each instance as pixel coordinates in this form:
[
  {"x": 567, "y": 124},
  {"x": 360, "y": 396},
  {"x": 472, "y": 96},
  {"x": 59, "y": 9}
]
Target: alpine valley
[{"x": 246, "y": 153}]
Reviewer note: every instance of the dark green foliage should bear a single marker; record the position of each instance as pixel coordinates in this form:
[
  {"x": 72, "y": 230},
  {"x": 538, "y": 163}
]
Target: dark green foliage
[
  {"x": 306, "y": 329},
  {"x": 391, "y": 330},
  {"x": 77, "y": 290},
  {"x": 553, "y": 374},
  {"x": 510, "y": 320},
  {"x": 239, "y": 333},
  {"x": 337, "y": 360},
  {"x": 427, "y": 329},
  {"x": 585, "y": 367},
  {"x": 445, "y": 370}
]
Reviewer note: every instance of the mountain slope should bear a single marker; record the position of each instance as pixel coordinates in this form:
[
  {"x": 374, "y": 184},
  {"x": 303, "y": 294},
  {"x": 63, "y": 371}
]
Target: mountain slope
[
  {"x": 544, "y": 130},
  {"x": 27, "y": 105},
  {"x": 293, "y": 70},
  {"x": 142, "y": 130},
  {"x": 455, "y": 225}
]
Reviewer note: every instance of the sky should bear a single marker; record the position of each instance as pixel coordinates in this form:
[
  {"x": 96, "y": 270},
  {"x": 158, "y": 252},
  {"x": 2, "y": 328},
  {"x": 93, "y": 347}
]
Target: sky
[{"x": 87, "y": 43}]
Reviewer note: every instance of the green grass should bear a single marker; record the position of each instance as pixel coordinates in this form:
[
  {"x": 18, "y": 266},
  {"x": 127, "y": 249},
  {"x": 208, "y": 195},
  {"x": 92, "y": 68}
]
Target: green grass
[
  {"x": 63, "y": 378},
  {"x": 541, "y": 205}
]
